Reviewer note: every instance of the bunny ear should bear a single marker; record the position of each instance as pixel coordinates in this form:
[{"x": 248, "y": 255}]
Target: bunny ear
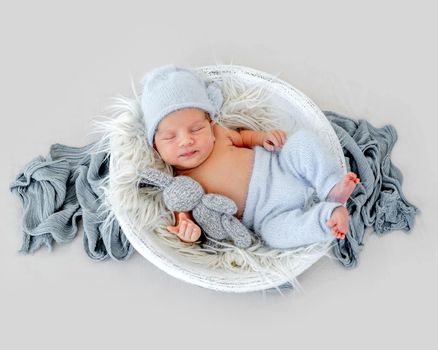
[
  {"x": 215, "y": 96},
  {"x": 155, "y": 178}
]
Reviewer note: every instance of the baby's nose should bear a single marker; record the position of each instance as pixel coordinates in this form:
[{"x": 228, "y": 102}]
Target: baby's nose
[{"x": 186, "y": 140}]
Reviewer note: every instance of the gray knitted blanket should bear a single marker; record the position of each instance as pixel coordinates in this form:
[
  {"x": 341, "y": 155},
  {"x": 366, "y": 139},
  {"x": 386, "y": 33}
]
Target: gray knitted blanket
[{"x": 58, "y": 190}]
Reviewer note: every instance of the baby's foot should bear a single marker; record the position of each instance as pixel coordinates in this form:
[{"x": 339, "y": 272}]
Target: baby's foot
[
  {"x": 343, "y": 189},
  {"x": 338, "y": 222}
]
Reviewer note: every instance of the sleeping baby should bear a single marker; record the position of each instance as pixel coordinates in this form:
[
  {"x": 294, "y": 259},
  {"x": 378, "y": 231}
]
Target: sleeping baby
[{"x": 267, "y": 174}]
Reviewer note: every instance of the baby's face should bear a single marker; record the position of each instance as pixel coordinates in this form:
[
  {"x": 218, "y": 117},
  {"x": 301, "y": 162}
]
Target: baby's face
[{"x": 185, "y": 138}]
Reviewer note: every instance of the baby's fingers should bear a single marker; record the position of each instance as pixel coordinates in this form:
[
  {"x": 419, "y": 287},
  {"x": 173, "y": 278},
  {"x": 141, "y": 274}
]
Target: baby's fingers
[
  {"x": 196, "y": 233},
  {"x": 183, "y": 229},
  {"x": 276, "y": 137},
  {"x": 271, "y": 143},
  {"x": 189, "y": 231},
  {"x": 283, "y": 136},
  {"x": 178, "y": 230}
]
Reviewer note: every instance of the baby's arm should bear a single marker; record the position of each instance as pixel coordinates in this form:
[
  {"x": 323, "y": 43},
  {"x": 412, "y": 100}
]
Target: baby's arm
[
  {"x": 245, "y": 138},
  {"x": 272, "y": 139},
  {"x": 186, "y": 229}
]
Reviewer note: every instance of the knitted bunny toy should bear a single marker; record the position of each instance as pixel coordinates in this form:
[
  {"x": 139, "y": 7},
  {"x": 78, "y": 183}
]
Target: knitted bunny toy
[{"x": 214, "y": 213}]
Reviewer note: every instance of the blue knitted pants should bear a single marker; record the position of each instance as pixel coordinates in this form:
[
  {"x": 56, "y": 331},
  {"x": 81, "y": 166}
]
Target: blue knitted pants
[{"x": 279, "y": 188}]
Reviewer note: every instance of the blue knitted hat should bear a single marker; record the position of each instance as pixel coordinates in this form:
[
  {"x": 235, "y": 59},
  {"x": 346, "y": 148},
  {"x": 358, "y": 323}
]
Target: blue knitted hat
[{"x": 170, "y": 88}]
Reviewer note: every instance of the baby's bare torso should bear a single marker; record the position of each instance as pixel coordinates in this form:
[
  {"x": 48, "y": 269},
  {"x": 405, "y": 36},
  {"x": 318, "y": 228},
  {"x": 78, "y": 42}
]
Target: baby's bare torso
[{"x": 227, "y": 171}]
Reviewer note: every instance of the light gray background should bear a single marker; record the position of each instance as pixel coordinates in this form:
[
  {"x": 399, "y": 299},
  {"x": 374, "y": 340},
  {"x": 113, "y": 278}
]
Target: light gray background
[{"x": 61, "y": 63}]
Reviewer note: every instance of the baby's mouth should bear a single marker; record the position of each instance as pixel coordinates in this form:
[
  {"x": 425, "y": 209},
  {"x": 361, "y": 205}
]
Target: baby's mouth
[{"x": 188, "y": 154}]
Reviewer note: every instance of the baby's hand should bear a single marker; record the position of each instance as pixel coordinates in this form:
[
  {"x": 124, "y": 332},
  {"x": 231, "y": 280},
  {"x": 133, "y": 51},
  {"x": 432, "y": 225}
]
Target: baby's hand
[
  {"x": 274, "y": 139},
  {"x": 186, "y": 230}
]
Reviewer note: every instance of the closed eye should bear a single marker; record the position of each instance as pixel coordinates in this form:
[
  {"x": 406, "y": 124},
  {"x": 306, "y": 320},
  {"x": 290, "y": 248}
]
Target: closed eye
[{"x": 197, "y": 129}]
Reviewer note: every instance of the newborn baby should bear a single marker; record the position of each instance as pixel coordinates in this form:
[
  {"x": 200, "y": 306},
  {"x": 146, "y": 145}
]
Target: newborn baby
[{"x": 266, "y": 174}]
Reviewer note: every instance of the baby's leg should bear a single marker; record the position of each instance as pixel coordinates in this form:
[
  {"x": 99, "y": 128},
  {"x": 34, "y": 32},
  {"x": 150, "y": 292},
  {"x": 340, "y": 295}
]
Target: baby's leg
[
  {"x": 308, "y": 158},
  {"x": 295, "y": 228}
]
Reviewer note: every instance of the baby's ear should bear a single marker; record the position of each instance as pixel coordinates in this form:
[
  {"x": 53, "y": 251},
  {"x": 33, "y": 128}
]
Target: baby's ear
[
  {"x": 154, "y": 145},
  {"x": 155, "y": 178}
]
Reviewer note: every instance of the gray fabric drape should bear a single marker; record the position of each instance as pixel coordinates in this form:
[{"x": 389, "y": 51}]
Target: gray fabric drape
[
  {"x": 378, "y": 200},
  {"x": 57, "y": 191}
]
